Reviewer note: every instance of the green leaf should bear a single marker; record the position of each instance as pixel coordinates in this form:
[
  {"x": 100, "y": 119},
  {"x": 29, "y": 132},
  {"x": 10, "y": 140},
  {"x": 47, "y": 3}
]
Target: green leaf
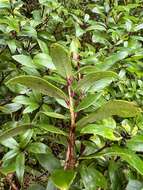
[
  {"x": 135, "y": 143},
  {"x": 96, "y": 81},
  {"x": 43, "y": 59},
  {"x": 10, "y": 108},
  {"x": 63, "y": 178},
  {"x": 134, "y": 185},
  {"x": 38, "y": 148},
  {"x": 10, "y": 143},
  {"x": 116, "y": 175},
  {"x": 41, "y": 85},
  {"x": 43, "y": 46},
  {"x": 92, "y": 178},
  {"x": 52, "y": 129},
  {"x": 120, "y": 108},
  {"x": 87, "y": 101},
  {"x": 25, "y": 138},
  {"x": 130, "y": 157},
  {"x": 10, "y": 154},
  {"x": 100, "y": 130},
  {"x": 25, "y": 60},
  {"x": 48, "y": 161},
  {"x": 20, "y": 167},
  {"x": 55, "y": 115},
  {"x": 61, "y": 60},
  {"x": 14, "y": 131},
  {"x": 36, "y": 187}
]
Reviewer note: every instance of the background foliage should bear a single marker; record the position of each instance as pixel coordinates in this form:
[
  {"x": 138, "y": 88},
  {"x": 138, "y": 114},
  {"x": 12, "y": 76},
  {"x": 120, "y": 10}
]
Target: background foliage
[{"x": 70, "y": 82}]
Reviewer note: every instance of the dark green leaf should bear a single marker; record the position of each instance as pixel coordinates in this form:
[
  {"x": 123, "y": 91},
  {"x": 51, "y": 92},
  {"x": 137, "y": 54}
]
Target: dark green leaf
[
  {"x": 41, "y": 85},
  {"x": 61, "y": 60},
  {"x": 52, "y": 129},
  {"x": 20, "y": 167},
  {"x": 92, "y": 178},
  {"x": 126, "y": 154},
  {"x": 14, "y": 131},
  {"x": 113, "y": 107},
  {"x": 96, "y": 81}
]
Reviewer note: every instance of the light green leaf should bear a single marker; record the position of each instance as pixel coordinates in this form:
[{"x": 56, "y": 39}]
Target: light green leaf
[
  {"x": 130, "y": 157},
  {"x": 93, "y": 80},
  {"x": 25, "y": 60},
  {"x": 38, "y": 148},
  {"x": 25, "y": 138},
  {"x": 10, "y": 143},
  {"x": 20, "y": 167},
  {"x": 10, "y": 154},
  {"x": 41, "y": 85},
  {"x": 52, "y": 129},
  {"x": 43, "y": 46},
  {"x": 14, "y": 131},
  {"x": 43, "y": 59},
  {"x": 63, "y": 178},
  {"x": 135, "y": 143},
  {"x": 87, "y": 101},
  {"x": 92, "y": 178},
  {"x": 134, "y": 185},
  {"x": 55, "y": 115},
  {"x": 120, "y": 108},
  {"x": 61, "y": 60},
  {"x": 100, "y": 130}
]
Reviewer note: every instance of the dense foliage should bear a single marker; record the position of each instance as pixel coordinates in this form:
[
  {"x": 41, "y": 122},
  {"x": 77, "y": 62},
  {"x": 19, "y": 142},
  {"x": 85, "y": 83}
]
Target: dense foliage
[{"x": 71, "y": 94}]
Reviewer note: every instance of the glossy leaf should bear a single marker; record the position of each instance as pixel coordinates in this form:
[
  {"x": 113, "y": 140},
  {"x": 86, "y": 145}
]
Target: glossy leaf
[
  {"x": 43, "y": 59},
  {"x": 10, "y": 143},
  {"x": 130, "y": 157},
  {"x": 38, "y": 148},
  {"x": 52, "y": 129},
  {"x": 20, "y": 167},
  {"x": 87, "y": 101},
  {"x": 63, "y": 178},
  {"x": 48, "y": 161},
  {"x": 120, "y": 108},
  {"x": 93, "y": 80},
  {"x": 92, "y": 178},
  {"x": 135, "y": 143},
  {"x": 100, "y": 130},
  {"x": 55, "y": 115},
  {"x": 61, "y": 60},
  {"x": 38, "y": 84},
  {"x": 14, "y": 131}
]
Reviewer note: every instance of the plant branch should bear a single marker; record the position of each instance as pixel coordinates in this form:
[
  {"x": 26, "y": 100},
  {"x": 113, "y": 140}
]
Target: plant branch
[{"x": 70, "y": 155}]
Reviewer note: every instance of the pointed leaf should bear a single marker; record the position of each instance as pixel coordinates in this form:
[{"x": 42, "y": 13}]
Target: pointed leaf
[
  {"x": 10, "y": 143},
  {"x": 63, "y": 178},
  {"x": 126, "y": 154},
  {"x": 135, "y": 143},
  {"x": 87, "y": 101},
  {"x": 55, "y": 115},
  {"x": 114, "y": 107},
  {"x": 92, "y": 178},
  {"x": 20, "y": 167},
  {"x": 93, "y": 80},
  {"x": 48, "y": 161},
  {"x": 100, "y": 130},
  {"x": 38, "y": 148},
  {"x": 41, "y": 85},
  {"x": 14, "y": 131},
  {"x": 61, "y": 60},
  {"x": 52, "y": 129}
]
